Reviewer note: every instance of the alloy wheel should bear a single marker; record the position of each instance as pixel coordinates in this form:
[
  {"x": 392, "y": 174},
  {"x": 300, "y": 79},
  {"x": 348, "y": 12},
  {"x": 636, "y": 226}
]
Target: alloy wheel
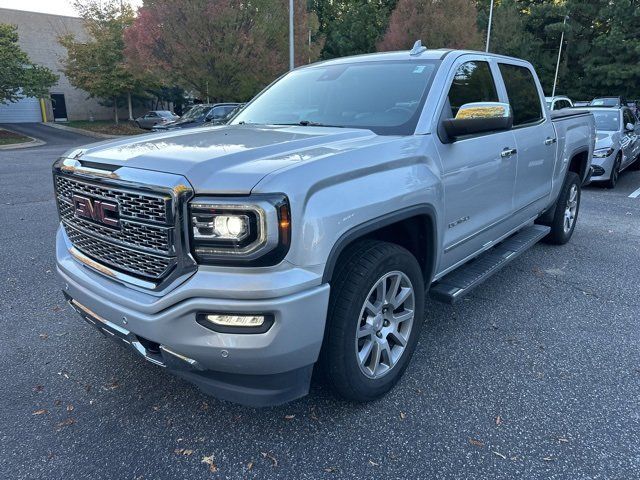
[
  {"x": 386, "y": 320},
  {"x": 571, "y": 208}
]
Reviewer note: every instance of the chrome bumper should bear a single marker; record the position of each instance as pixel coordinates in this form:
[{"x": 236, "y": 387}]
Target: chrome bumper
[{"x": 162, "y": 356}]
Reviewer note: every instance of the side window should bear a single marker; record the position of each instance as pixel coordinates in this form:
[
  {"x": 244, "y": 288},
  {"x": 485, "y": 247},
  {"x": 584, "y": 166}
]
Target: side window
[
  {"x": 472, "y": 82},
  {"x": 523, "y": 94},
  {"x": 152, "y": 114},
  {"x": 627, "y": 117}
]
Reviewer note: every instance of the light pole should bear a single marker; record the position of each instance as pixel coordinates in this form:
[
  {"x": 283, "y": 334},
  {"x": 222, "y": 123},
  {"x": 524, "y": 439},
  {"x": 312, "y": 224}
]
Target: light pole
[
  {"x": 555, "y": 79},
  {"x": 489, "y": 28},
  {"x": 291, "y": 63}
]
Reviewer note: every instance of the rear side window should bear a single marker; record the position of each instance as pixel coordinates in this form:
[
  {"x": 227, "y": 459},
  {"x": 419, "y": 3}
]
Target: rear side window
[
  {"x": 472, "y": 82},
  {"x": 523, "y": 94},
  {"x": 628, "y": 117}
]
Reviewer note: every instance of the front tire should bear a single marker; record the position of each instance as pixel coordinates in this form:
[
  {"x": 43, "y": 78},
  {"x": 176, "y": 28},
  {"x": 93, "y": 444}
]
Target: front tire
[
  {"x": 566, "y": 211},
  {"x": 375, "y": 316},
  {"x": 615, "y": 173}
]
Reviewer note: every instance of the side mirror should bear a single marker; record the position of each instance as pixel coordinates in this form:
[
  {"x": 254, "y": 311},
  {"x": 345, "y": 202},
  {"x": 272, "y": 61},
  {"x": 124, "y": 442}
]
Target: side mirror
[
  {"x": 630, "y": 127},
  {"x": 481, "y": 117}
]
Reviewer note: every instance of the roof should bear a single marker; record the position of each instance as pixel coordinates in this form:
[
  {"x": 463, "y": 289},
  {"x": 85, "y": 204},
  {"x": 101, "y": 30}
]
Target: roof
[{"x": 433, "y": 54}]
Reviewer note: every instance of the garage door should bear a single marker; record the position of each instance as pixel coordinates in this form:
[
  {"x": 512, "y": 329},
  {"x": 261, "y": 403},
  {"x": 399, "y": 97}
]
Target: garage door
[{"x": 24, "y": 110}]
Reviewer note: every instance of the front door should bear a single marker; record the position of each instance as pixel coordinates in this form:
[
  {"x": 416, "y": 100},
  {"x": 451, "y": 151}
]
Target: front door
[
  {"x": 478, "y": 175},
  {"x": 535, "y": 140},
  {"x": 630, "y": 141},
  {"x": 59, "y": 107}
]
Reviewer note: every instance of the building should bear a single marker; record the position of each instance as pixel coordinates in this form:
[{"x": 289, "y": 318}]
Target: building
[{"x": 38, "y": 37}]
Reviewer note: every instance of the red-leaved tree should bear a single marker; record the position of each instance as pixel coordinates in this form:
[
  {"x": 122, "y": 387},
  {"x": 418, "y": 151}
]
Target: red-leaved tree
[
  {"x": 438, "y": 23},
  {"x": 223, "y": 50}
]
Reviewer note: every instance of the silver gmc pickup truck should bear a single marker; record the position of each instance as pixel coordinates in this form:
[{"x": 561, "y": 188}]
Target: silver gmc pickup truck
[{"x": 307, "y": 232}]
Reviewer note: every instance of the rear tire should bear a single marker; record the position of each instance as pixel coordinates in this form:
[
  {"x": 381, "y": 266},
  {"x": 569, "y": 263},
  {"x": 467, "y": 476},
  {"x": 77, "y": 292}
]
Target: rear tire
[
  {"x": 375, "y": 316},
  {"x": 615, "y": 173},
  {"x": 566, "y": 211}
]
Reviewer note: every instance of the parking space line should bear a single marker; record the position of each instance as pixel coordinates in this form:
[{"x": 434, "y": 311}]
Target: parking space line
[{"x": 635, "y": 194}]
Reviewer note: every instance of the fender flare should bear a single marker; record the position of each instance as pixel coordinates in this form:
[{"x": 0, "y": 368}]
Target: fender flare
[{"x": 377, "y": 223}]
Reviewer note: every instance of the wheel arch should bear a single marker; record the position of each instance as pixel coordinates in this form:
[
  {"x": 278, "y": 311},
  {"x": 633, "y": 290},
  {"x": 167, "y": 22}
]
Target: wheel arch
[
  {"x": 413, "y": 228},
  {"x": 579, "y": 163}
]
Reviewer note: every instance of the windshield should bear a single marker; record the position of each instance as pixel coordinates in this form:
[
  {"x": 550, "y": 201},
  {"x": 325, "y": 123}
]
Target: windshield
[
  {"x": 383, "y": 97},
  {"x": 196, "y": 112},
  {"x": 605, "y": 102},
  {"x": 607, "y": 121}
]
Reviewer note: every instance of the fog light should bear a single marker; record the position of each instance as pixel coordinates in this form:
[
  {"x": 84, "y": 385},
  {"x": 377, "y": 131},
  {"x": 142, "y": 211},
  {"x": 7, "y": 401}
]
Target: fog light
[{"x": 236, "y": 320}]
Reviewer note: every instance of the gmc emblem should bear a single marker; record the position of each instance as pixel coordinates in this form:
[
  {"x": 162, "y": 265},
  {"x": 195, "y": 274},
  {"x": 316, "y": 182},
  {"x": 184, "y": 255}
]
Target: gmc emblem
[{"x": 99, "y": 211}]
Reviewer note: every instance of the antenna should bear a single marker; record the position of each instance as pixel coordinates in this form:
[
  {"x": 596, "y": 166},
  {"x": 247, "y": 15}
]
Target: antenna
[{"x": 417, "y": 48}]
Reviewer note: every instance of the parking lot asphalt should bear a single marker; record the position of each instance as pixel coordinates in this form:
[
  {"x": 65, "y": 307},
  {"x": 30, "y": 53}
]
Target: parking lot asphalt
[{"x": 535, "y": 375}]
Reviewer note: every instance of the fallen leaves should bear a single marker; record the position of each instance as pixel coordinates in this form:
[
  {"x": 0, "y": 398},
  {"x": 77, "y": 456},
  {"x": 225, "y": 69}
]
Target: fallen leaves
[
  {"x": 66, "y": 423},
  {"x": 38, "y": 388},
  {"x": 183, "y": 451},
  {"x": 43, "y": 336},
  {"x": 274, "y": 461},
  {"x": 112, "y": 385},
  {"x": 373, "y": 464},
  {"x": 476, "y": 443},
  {"x": 330, "y": 469},
  {"x": 209, "y": 461},
  {"x": 70, "y": 408},
  {"x": 498, "y": 420},
  {"x": 289, "y": 417},
  {"x": 403, "y": 415},
  {"x": 41, "y": 411},
  {"x": 500, "y": 455}
]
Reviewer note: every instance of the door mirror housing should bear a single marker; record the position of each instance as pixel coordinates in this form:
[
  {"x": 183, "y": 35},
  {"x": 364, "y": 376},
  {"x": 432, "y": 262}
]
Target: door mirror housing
[
  {"x": 630, "y": 127},
  {"x": 481, "y": 117}
]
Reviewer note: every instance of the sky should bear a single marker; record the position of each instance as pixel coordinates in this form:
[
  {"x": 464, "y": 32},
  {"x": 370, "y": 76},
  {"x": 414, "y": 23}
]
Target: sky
[{"x": 58, "y": 7}]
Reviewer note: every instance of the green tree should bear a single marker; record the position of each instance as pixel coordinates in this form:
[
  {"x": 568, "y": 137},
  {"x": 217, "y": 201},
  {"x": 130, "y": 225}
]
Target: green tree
[
  {"x": 612, "y": 66},
  {"x": 352, "y": 27},
  {"x": 98, "y": 65},
  {"x": 19, "y": 77}
]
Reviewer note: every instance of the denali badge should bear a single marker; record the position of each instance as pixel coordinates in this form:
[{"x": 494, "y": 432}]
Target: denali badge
[{"x": 105, "y": 213}]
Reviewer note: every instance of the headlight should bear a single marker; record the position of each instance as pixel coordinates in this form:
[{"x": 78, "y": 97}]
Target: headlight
[
  {"x": 253, "y": 230},
  {"x": 602, "y": 152}
]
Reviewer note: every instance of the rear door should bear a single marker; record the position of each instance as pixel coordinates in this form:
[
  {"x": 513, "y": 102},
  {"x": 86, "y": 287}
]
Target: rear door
[
  {"x": 535, "y": 139},
  {"x": 478, "y": 170}
]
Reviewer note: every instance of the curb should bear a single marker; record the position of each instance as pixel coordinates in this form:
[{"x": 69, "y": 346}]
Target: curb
[
  {"x": 34, "y": 142},
  {"x": 81, "y": 131}
]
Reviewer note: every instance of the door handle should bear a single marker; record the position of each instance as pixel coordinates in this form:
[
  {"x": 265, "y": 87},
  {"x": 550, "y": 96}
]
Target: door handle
[
  {"x": 550, "y": 141},
  {"x": 508, "y": 152}
]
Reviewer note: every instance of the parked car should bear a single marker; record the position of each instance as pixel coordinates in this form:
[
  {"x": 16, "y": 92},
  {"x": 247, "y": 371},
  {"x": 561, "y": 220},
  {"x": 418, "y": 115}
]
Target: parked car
[
  {"x": 309, "y": 228},
  {"x": 200, "y": 115},
  {"x": 558, "y": 102},
  {"x": 617, "y": 143},
  {"x": 608, "y": 102},
  {"x": 155, "y": 117}
]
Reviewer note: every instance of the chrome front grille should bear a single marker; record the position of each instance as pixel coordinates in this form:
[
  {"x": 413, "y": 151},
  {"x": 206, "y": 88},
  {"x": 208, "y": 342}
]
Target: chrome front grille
[
  {"x": 134, "y": 205},
  {"x": 147, "y": 243},
  {"x": 131, "y": 261}
]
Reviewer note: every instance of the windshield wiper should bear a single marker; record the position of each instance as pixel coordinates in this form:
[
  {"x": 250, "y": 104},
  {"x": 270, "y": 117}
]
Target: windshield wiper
[{"x": 309, "y": 123}]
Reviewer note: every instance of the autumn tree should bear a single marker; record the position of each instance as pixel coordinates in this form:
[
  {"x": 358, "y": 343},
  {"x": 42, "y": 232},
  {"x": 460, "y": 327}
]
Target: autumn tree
[
  {"x": 224, "y": 50},
  {"x": 450, "y": 24},
  {"x": 97, "y": 65},
  {"x": 19, "y": 77}
]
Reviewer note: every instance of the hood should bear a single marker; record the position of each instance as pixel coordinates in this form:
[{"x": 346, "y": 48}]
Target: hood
[
  {"x": 225, "y": 159},
  {"x": 606, "y": 139}
]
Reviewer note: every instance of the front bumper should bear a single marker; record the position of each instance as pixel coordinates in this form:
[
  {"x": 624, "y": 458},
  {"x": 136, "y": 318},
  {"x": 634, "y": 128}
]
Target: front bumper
[
  {"x": 253, "y": 369},
  {"x": 602, "y": 167}
]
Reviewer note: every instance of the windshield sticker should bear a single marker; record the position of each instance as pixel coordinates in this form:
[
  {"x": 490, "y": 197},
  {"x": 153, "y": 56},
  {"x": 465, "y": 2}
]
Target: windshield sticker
[{"x": 419, "y": 69}]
